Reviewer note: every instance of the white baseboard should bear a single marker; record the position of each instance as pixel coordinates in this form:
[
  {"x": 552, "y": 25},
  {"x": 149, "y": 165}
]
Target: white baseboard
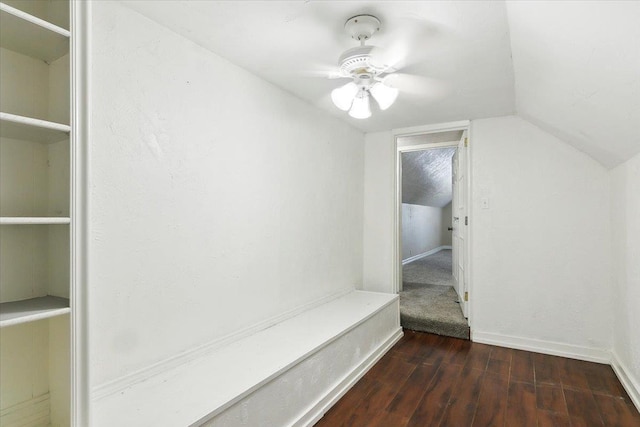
[
  {"x": 32, "y": 413},
  {"x": 317, "y": 411},
  {"x": 630, "y": 384},
  {"x": 141, "y": 375},
  {"x": 425, "y": 254},
  {"x": 540, "y": 346}
]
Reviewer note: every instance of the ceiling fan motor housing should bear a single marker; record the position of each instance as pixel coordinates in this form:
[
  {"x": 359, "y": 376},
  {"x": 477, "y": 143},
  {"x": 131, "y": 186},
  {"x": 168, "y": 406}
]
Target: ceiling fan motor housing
[
  {"x": 362, "y": 27},
  {"x": 358, "y": 62},
  {"x": 359, "y": 59}
]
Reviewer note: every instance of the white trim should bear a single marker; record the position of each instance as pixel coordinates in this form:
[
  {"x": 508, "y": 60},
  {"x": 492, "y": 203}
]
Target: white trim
[
  {"x": 396, "y": 280},
  {"x": 428, "y": 146},
  {"x": 630, "y": 384},
  {"x": 79, "y": 46},
  {"x": 440, "y": 127},
  {"x": 425, "y": 254},
  {"x": 145, "y": 373},
  {"x": 570, "y": 351},
  {"x": 317, "y": 411},
  {"x": 471, "y": 226}
]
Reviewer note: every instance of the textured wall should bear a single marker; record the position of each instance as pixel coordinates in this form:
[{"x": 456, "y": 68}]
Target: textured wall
[
  {"x": 379, "y": 200},
  {"x": 540, "y": 252},
  {"x": 422, "y": 229},
  {"x": 625, "y": 225},
  {"x": 217, "y": 200}
]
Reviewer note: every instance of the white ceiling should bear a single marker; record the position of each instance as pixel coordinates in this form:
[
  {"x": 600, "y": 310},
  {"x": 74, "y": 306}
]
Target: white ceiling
[
  {"x": 460, "y": 49},
  {"x": 577, "y": 63}
]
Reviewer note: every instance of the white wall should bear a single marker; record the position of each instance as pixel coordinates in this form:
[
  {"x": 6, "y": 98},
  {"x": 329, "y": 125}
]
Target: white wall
[
  {"x": 217, "y": 200},
  {"x": 379, "y": 201},
  {"x": 540, "y": 252},
  {"x": 421, "y": 229},
  {"x": 625, "y": 226}
]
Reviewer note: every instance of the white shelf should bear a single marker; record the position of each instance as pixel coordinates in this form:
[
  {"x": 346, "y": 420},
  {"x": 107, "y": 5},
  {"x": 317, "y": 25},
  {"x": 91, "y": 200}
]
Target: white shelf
[
  {"x": 35, "y": 37},
  {"x": 29, "y": 129},
  {"x": 30, "y": 310},
  {"x": 25, "y": 220}
]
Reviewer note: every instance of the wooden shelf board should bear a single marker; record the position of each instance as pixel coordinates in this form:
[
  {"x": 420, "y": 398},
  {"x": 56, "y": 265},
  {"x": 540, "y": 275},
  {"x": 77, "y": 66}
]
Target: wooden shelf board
[
  {"x": 19, "y": 220},
  {"x": 30, "y": 129},
  {"x": 30, "y": 310},
  {"x": 35, "y": 37}
]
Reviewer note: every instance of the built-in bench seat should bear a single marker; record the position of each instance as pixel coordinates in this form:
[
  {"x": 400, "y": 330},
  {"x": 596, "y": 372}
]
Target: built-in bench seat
[{"x": 288, "y": 374}]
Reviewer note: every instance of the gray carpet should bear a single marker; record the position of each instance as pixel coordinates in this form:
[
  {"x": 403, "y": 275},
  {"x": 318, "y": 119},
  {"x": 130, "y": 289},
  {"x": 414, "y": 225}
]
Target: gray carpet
[
  {"x": 432, "y": 270},
  {"x": 428, "y": 300}
]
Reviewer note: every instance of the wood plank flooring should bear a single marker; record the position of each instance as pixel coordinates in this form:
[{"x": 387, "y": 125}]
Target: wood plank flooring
[{"x": 429, "y": 380}]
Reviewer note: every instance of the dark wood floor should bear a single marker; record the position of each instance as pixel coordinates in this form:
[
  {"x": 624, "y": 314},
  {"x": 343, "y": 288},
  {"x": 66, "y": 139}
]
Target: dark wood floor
[{"x": 428, "y": 380}]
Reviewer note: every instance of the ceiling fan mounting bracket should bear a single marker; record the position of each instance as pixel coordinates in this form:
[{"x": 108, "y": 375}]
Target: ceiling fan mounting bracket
[{"x": 362, "y": 27}]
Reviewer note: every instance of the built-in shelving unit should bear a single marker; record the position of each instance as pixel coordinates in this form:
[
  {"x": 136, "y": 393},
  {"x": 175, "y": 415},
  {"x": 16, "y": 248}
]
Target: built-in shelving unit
[
  {"x": 35, "y": 212},
  {"x": 35, "y": 37}
]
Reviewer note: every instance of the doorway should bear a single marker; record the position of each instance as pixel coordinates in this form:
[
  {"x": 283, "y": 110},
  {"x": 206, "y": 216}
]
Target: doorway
[{"x": 432, "y": 231}]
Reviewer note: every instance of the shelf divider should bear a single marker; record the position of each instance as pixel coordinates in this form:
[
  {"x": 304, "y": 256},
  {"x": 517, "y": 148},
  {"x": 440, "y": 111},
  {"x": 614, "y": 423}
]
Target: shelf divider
[
  {"x": 30, "y": 310},
  {"x": 30, "y": 129},
  {"x": 25, "y": 220}
]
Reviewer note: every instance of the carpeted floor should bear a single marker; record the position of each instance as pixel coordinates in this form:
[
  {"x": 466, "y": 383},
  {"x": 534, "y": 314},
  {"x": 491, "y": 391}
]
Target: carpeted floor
[
  {"x": 428, "y": 300},
  {"x": 432, "y": 270}
]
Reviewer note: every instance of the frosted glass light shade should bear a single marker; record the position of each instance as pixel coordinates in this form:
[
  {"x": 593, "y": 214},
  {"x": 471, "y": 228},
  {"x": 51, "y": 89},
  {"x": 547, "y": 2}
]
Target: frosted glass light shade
[
  {"x": 360, "y": 108},
  {"x": 384, "y": 95},
  {"x": 343, "y": 96}
]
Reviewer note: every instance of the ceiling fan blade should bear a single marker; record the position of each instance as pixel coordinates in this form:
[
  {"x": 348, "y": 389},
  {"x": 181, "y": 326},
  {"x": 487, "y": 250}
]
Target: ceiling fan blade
[
  {"x": 322, "y": 74},
  {"x": 417, "y": 85},
  {"x": 405, "y": 46},
  {"x": 392, "y": 59}
]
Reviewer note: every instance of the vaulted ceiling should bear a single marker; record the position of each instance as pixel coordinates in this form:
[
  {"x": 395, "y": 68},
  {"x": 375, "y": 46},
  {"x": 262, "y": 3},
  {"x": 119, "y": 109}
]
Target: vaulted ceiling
[
  {"x": 572, "y": 68},
  {"x": 426, "y": 177}
]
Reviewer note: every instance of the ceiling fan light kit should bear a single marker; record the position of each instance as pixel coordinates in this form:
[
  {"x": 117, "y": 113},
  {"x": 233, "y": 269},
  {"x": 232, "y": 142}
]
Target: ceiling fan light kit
[
  {"x": 359, "y": 64},
  {"x": 360, "y": 108},
  {"x": 343, "y": 96}
]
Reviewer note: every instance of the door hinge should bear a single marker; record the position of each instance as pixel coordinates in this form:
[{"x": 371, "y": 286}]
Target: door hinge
[
  {"x": 466, "y": 142},
  {"x": 466, "y": 296},
  {"x": 466, "y": 220}
]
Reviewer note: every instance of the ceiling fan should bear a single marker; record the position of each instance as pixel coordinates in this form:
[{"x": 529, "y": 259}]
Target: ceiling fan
[{"x": 368, "y": 72}]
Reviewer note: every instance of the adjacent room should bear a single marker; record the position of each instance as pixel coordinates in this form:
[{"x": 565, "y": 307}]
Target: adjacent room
[
  {"x": 429, "y": 299},
  {"x": 319, "y": 213}
]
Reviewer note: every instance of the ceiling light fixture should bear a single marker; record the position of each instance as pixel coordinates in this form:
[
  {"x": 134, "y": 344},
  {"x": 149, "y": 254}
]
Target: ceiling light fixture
[
  {"x": 360, "y": 108},
  {"x": 358, "y": 64}
]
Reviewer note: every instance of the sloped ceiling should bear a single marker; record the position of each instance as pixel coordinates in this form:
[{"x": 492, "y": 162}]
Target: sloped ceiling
[
  {"x": 570, "y": 67},
  {"x": 457, "y": 64},
  {"x": 426, "y": 177},
  {"x": 577, "y": 73}
]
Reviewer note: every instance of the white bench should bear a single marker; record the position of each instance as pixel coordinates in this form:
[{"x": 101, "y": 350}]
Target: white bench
[{"x": 288, "y": 374}]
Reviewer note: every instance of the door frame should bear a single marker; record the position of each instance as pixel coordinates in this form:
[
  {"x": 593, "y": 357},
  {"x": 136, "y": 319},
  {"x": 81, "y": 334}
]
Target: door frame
[{"x": 463, "y": 125}]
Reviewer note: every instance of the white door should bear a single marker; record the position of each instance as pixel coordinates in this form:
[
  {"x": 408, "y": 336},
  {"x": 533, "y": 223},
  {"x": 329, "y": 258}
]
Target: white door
[{"x": 460, "y": 222}]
